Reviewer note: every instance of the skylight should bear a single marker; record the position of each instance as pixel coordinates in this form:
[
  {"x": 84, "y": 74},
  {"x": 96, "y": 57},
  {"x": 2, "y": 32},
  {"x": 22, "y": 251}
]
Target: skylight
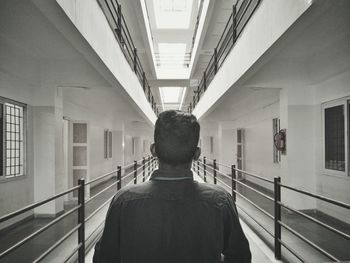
[
  {"x": 172, "y": 97},
  {"x": 172, "y": 14},
  {"x": 171, "y": 54}
]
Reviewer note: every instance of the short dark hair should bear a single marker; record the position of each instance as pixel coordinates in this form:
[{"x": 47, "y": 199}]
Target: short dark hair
[{"x": 176, "y": 136}]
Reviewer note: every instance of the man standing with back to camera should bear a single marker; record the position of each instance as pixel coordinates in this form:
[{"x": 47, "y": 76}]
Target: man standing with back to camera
[{"x": 172, "y": 218}]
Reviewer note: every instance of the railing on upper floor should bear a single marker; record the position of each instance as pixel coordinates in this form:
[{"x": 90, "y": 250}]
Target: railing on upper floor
[
  {"x": 241, "y": 13},
  {"x": 114, "y": 15},
  {"x": 209, "y": 167},
  {"x": 140, "y": 171}
]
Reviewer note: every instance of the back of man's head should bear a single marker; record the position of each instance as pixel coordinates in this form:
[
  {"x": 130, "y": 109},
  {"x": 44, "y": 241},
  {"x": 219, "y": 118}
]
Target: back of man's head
[{"x": 176, "y": 137}]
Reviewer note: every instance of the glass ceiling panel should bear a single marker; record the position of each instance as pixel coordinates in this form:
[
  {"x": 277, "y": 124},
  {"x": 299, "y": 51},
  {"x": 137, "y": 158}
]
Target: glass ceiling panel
[
  {"x": 172, "y": 14},
  {"x": 171, "y": 54},
  {"x": 172, "y": 97}
]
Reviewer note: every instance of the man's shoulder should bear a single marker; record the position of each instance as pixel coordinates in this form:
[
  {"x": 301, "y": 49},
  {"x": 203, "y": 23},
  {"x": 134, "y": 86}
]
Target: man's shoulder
[
  {"x": 213, "y": 193},
  {"x": 132, "y": 192}
]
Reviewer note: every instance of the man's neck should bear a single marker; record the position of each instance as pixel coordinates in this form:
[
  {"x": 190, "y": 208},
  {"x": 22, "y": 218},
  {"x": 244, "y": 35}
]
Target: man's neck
[{"x": 169, "y": 167}]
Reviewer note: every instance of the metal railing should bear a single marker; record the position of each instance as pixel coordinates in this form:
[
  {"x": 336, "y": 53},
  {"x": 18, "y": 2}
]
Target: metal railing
[
  {"x": 113, "y": 12},
  {"x": 206, "y": 166},
  {"x": 140, "y": 169},
  {"x": 241, "y": 13}
]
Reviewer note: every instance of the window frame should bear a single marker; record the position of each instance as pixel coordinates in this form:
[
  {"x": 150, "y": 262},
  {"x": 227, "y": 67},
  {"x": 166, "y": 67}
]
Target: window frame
[
  {"x": 107, "y": 144},
  {"x": 276, "y": 127},
  {"x": 345, "y": 101},
  {"x": 4, "y": 178}
]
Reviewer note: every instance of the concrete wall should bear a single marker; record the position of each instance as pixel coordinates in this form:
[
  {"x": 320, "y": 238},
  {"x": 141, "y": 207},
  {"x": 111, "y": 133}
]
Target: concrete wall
[
  {"x": 336, "y": 186},
  {"x": 269, "y": 22},
  {"x": 253, "y": 111},
  {"x": 40, "y": 67},
  {"x": 89, "y": 19}
]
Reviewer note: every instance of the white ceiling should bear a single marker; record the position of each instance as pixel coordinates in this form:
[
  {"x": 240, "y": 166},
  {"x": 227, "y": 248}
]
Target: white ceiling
[
  {"x": 311, "y": 52},
  {"x": 217, "y": 16},
  {"x": 37, "y": 55}
]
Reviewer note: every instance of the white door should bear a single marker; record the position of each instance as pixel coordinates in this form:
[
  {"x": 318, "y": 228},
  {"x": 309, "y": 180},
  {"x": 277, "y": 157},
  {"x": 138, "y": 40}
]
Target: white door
[
  {"x": 240, "y": 152},
  {"x": 79, "y": 158}
]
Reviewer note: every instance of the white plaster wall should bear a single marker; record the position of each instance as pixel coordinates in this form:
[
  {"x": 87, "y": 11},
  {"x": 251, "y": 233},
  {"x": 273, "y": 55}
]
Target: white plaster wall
[
  {"x": 18, "y": 193},
  {"x": 333, "y": 186},
  {"x": 140, "y": 131},
  {"x": 89, "y": 19},
  {"x": 102, "y": 109},
  {"x": 209, "y": 129},
  {"x": 269, "y": 22},
  {"x": 253, "y": 112}
]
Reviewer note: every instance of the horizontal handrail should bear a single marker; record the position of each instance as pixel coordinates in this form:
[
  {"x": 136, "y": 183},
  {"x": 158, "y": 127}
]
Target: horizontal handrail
[
  {"x": 121, "y": 32},
  {"x": 237, "y": 170},
  {"x": 80, "y": 208},
  {"x": 315, "y": 221},
  {"x": 99, "y": 208},
  {"x": 75, "y": 250},
  {"x": 223, "y": 183},
  {"x": 202, "y": 168},
  {"x": 127, "y": 175},
  {"x": 101, "y": 192},
  {"x": 255, "y": 205},
  {"x": 232, "y": 31},
  {"x": 36, "y": 204},
  {"x": 256, "y": 221},
  {"x": 254, "y": 175},
  {"x": 291, "y": 250},
  {"x": 101, "y": 177},
  {"x": 59, "y": 242},
  {"x": 256, "y": 191},
  {"x": 31, "y": 236},
  {"x": 239, "y": 182},
  {"x": 320, "y": 197},
  {"x": 330, "y": 256}
]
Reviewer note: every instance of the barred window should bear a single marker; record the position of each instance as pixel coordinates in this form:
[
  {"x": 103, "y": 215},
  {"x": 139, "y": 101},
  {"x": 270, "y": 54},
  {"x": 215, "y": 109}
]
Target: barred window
[
  {"x": 336, "y": 138},
  {"x": 12, "y": 134}
]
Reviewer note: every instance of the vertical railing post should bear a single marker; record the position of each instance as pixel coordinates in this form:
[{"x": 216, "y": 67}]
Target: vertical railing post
[
  {"x": 143, "y": 80},
  {"x": 143, "y": 169},
  {"x": 205, "y": 169},
  {"x": 214, "y": 165},
  {"x": 81, "y": 220},
  {"x": 135, "y": 172},
  {"x": 135, "y": 59},
  {"x": 149, "y": 166},
  {"x": 119, "y": 177},
  {"x": 234, "y": 22},
  {"x": 233, "y": 181},
  {"x": 204, "y": 81},
  {"x": 277, "y": 218},
  {"x": 215, "y": 60},
  {"x": 119, "y": 20}
]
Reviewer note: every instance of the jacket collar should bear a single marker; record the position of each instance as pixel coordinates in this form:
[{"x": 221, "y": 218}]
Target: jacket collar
[{"x": 173, "y": 175}]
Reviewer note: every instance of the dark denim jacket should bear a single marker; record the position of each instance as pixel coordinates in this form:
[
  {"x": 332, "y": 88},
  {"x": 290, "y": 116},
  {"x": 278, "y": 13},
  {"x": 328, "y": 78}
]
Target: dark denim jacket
[{"x": 172, "y": 218}]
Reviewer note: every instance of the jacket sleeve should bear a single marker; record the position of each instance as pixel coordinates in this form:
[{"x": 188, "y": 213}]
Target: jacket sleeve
[
  {"x": 107, "y": 249},
  {"x": 236, "y": 246}
]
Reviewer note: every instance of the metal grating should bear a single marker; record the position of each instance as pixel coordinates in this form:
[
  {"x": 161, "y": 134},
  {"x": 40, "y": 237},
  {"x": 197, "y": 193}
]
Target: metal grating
[
  {"x": 13, "y": 139},
  {"x": 335, "y": 138}
]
